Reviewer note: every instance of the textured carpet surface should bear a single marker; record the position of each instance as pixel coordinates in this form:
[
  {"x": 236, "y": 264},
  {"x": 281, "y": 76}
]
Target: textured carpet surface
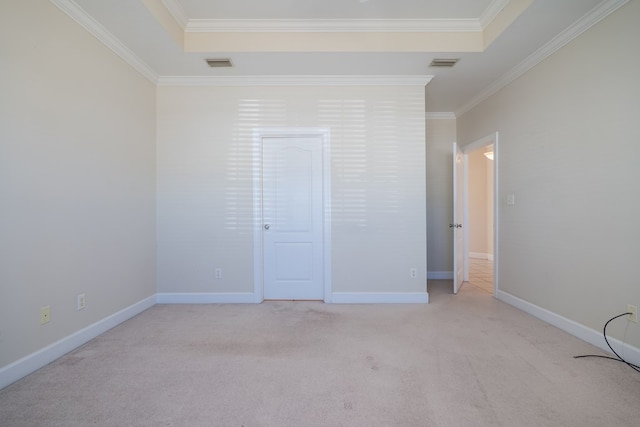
[{"x": 465, "y": 360}]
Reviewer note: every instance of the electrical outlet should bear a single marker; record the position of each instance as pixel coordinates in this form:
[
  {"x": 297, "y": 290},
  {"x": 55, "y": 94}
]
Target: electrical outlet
[
  {"x": 634, "y": 313},
  {"x": 218, "y": 273},
  {"x": 413, "y": 273},
  {"x": 45, "y": 315},
  {"x": 80, "y": 302}
]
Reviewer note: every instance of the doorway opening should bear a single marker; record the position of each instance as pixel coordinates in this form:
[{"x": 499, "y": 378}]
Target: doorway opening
[
  {"x": 476, "y": 214},
  {"x": 479, "y": 224}
]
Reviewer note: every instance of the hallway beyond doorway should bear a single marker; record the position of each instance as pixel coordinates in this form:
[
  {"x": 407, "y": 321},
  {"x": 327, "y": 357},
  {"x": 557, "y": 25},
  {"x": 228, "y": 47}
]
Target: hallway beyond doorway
[{"x": 481, "y": 274}]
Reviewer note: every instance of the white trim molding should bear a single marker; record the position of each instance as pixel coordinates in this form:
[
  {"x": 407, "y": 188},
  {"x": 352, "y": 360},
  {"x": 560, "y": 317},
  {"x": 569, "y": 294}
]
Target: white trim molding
[
  {"x": 380, "y": 298},
  {"x": 333, "y": 25},
  {"x": 208, "y": 298},
  {"x": 78, "y": 14},
  {"x": 596, "y": 15},
  {"x": 630, "y": 353},
  {"x": 28, "y": 364},
  {"x": 176, "y": 10},
  {"x": 295, "y": 80},
  {"x": 444, "y": 115},
  {"x": 491, "y": 12}
]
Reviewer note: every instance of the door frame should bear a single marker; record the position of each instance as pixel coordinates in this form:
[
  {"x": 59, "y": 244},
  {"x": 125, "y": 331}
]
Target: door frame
[
  {"x": 492, "y": 138},
  {"x": 459, "y": 193},
  {"x": 258, "y": 245}
]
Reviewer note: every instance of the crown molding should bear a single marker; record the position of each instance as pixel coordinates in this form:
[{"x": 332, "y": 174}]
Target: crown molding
[
  {"x": 440, "y": 115},
  {"x": 294, "y": 80},
  {"x": 76, "y": 13},
  {"x": 491, "y": 12},
  {"x": 331, "y": 25},
  {"x": 335, "y": 25},
  {"x": 211, "y": 25},
  {"x": 596, "y": 15},
  {"x": 175, "y": 9}
]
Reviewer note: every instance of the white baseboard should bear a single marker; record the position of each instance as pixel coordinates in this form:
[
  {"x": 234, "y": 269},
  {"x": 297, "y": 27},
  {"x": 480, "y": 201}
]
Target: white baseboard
[
  {"x": 208, "y": 298},
  {"x": 28, "y": 364},
  {"x": 380, "y": 297},
  {"x": 631, "y": 354},
  {"x": 440, "y": 275}
]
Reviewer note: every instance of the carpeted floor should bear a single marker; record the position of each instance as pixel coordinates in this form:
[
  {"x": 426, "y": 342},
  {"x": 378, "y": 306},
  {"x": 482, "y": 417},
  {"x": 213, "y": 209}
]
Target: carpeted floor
[{"x": 465, "y": 360}]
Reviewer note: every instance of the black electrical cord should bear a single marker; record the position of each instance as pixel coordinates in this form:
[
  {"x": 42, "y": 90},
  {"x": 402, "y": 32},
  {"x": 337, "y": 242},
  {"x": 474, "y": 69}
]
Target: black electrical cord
[{"x": 619, "y": 358}]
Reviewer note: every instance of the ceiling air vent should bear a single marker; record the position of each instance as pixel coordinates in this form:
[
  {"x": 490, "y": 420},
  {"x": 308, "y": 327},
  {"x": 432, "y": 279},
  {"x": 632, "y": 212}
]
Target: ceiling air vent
[
  {"x": 443, "y": 62},
  {"x": 219, "y": 62}
]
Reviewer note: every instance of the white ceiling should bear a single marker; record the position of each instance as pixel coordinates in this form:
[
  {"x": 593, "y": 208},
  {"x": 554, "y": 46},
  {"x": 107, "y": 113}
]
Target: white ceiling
[
  {"x": 334, "y": 9},
  {"x": 133, "y": 31}
]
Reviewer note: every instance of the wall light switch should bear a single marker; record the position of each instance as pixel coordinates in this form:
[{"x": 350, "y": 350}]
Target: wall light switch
[{"x": 511, "y": 199}]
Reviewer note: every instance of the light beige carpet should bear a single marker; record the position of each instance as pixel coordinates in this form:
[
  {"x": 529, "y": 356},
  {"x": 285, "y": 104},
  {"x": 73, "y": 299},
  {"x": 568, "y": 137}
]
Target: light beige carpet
[{"x": 465, "y": 360}]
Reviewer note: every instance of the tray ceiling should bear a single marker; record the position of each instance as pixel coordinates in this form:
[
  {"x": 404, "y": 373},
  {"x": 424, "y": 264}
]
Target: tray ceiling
[{"x": 496, "y": 40}]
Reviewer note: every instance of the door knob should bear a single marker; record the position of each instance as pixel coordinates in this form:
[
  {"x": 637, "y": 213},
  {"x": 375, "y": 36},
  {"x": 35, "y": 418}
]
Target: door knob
[{"x": 267, "y": 226}]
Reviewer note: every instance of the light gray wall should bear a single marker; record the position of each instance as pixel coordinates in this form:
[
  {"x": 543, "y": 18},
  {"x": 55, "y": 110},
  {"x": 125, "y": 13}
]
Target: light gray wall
[
  {"x": 441, "y": 134},
  {"x": 77, "y": 189},
  {"x": 205, "y": 172},
  {"x": 569, "y": 152}
]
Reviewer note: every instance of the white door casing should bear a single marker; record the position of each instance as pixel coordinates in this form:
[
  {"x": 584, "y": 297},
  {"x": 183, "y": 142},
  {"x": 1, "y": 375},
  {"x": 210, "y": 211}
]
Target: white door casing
[
  {"x": 458, "y": 218},
  {"x": 292, "y": 228}
]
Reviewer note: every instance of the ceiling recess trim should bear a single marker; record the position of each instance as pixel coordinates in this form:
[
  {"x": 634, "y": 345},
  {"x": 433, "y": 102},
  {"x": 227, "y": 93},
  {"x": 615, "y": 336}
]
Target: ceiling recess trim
[
  {"x": 295, "y": 80},
  {"x": 175, "y": 8},
  {"x": 332, "y": 25},
  {"x": 596, "y": 15},
  {"x": 76, "y": 13},
  {"x": 440, "y": 115},
  {"x": 491, "y": 12}
]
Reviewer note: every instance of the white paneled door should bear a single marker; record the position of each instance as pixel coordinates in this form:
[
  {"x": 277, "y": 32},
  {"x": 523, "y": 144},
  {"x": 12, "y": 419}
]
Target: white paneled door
[
  {"x": 292, "y": 191},
  {"x": 458, "y": 215}
]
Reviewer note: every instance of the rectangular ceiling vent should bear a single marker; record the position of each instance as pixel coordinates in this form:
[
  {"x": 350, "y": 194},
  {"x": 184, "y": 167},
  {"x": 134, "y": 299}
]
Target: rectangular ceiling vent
[
  {"x": 219, "y": 62},
  {"x": 441, "y": 62}
]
